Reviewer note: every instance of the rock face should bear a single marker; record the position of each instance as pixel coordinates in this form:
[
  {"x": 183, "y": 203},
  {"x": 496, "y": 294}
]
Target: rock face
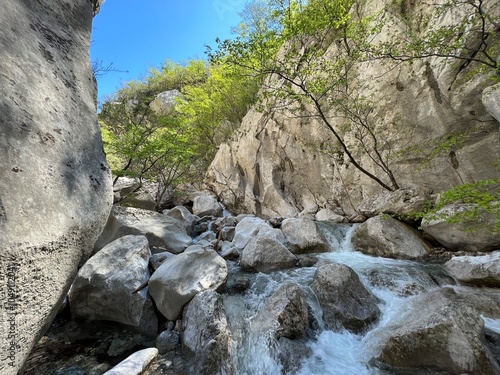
[
  {"x": 437, "y": 332},
  {"x": 104, "y": 287},
  {"x": 303, "y": 236},
  {"x": 476, "y": 270},
  {"x": 55, "y": 185},
  {"x": 162, "y": 231},
  {"x": 346, "y": 303},
  {"x": 283, "y": 161},
  {"x": 165, "y": 102},
  {"x": 205, "y": 333},
  {"x": 387, "y": 237},
  {"x": 476, "y": 235},
  {"x": 180, "y": 278}
]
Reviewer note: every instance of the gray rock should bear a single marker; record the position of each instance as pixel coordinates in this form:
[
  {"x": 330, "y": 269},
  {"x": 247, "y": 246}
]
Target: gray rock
[
  {"x": 435, "y": 332},
  {"x": 303, "y": 236},
  {"x": 486, "y": 301},
  {"x": 266, "y": 253},
  {"x": 248, "y": 227},
  {"x": 229, "y": 251},
  {"x": 402, "y": 203},
  {"x": 476, "y": 270},
  {"x": 55, "y": 184},
  {"x": 168, "y": 341},
  {"x": 104, "y": 286},
  {"x": 182, "y": 214},
  {"x": 157, "y": 259},
  {"x": 291, "y": 354},
  {"x": 476, "y": 235},
  {"x": 163, "y": 232},
  {"x": 206, "y": 205},
  {"x": 345, "y": 302},
  {"x": 135, "y": 364},
  {"x": 326, "y": 214},
  {"x": 164, "y": 103},
  {"x": 206, "y": 334},
  {"x": 180, "y": 278},
  {"x": 285, "y": 312},
  {"x": 491, "y": 100},
  {"x": 388, "y": 237}
]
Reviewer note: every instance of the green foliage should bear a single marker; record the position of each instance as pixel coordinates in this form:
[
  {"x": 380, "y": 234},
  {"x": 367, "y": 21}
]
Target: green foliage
[
  {"x": 481, "y": 198},
  {"x": 177, "y": 146}
]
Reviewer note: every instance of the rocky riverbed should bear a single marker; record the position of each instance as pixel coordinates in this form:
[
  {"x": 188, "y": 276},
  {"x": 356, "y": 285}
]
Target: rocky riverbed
[{"x": 222, "y": 294}]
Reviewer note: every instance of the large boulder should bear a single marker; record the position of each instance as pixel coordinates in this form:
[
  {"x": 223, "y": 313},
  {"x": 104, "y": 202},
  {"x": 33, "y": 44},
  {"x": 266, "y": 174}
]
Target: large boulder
[
  {"x": 180, "y": 278},
  {"x": 437, "y": 332},
  {"x": 303, "y": 236},
  {"x": 447, "y": 227},
  {"x": 266, "y": 253},
  {"x": 476, "y": 270},
  {"x": 388, "y": 237},
  {"x": 345, "y": 301},
  {"x": 105, "y": 287},
  {"x": 206, "y": 334},
  {"x": 55, "y": 184},
  {"x": 285, "y": 312},
  {"x": 248, "y": 228},
  {"x": 402, "y": 203},
  {"x": 186, "y": 218},
  {"x": 207, "y": 205},
  {"x": 162, "y": 231}
]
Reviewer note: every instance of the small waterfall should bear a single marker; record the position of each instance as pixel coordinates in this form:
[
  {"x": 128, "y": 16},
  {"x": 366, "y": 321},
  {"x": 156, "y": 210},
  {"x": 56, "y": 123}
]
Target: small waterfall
[{"x": 339, "y": 353}]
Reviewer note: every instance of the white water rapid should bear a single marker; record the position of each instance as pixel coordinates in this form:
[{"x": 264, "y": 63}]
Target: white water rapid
[{"x": 340, "y": 353}]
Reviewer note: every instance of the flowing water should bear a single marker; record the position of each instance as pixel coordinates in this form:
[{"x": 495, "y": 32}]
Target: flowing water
[{"x": 392, "y": 281}]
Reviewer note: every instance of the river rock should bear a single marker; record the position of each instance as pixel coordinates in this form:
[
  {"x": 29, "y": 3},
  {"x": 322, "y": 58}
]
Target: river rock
[
  {"x": 167, "y": 341},
  {"x": 180, "y": 278},
  {"x": 247, "y": 228},
  {"x": 206, "y": 334},
  {"x": 402, "y": 203},
  {"x": 285, "y": 312},
  {"x": 486, "y": 301},
  {"x": 345, "y": 302},
  {"x": 388, "y": 237},
  {"x": 303, "y": 236},
  {"x": 266, "y": 252},
  {"x": 326, "y": 214},
  {"x": 436, "y": 332},
  {"x": 476, "y": 235},
  {"x": 163, "y": 232},
  {"x": 55, "y": 183},
  {"x": 206, "y": 205},
  {"x": 135, "y": 364},
  {"x": 291, "y": 354},
  {"x": 476, "y": 270},
  {"x": 186, "y": 218},
  {"x": 104, "y": 287}
]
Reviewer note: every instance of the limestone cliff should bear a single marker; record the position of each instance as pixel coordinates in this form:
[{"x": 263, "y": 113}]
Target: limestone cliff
[
  {"x": 433, "y": 119},
  {"x": 55, "y": 184}
]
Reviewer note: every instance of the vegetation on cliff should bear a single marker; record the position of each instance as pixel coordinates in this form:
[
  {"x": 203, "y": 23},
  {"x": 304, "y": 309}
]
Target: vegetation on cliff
[{"x": 303, "y": 58}]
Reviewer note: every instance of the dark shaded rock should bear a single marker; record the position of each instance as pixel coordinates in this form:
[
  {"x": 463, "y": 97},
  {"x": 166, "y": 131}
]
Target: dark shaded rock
[
  {"x": 436, "y": 332},
  {"x": 205, "y": 333},
  {"x": 346, "y": 303}
]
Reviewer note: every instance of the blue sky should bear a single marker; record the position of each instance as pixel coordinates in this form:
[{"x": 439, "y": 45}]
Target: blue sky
[{"x": 135, "y": 35}]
